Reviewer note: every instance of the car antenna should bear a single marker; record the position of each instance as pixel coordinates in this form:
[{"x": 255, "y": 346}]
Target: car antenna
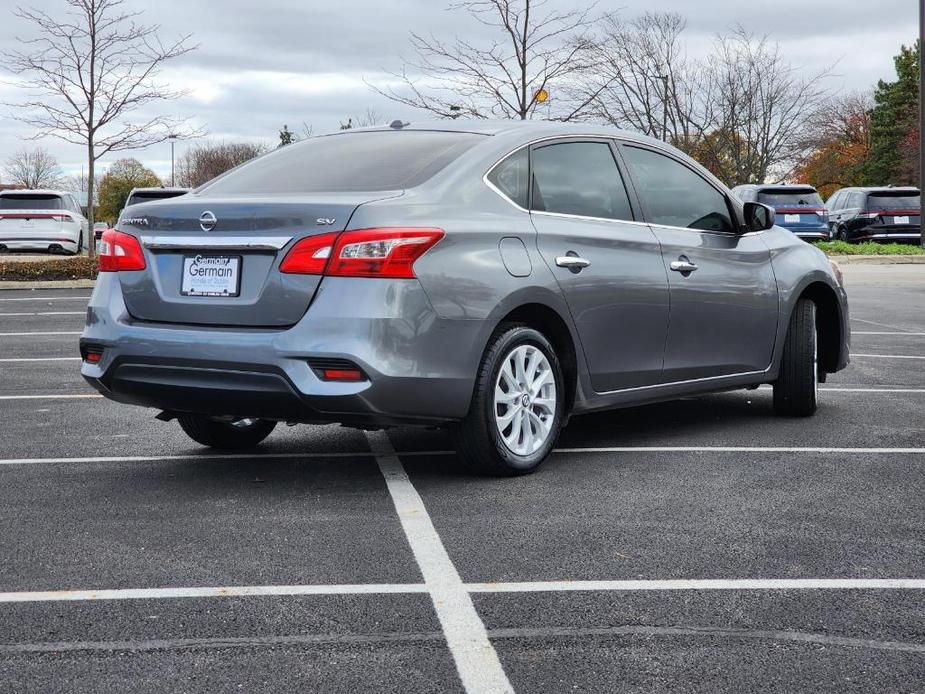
[{"x": 398, "y": 125}]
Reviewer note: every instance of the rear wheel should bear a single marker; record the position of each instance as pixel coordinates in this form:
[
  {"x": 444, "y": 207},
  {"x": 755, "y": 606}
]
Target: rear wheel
[
  {"x": 797, "y": 385},
  {"x": 517, "y": 407},
  {"x": 239, "y": 433}
]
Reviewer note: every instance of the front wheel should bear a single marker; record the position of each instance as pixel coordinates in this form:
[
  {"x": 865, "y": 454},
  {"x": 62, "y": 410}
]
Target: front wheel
[
  {"x": 215, "y": 433},
  {"x": 517, "y": 406},
  {"x": 797, "y": 383}
]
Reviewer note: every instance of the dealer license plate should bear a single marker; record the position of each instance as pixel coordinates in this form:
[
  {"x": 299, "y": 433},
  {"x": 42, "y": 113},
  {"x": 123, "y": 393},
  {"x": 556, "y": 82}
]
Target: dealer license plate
[{"x": 211, "y": 275}]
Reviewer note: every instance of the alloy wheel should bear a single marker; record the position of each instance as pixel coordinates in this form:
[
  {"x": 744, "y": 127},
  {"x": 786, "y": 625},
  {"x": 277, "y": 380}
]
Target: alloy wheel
[{"x": 525, "y": 399}]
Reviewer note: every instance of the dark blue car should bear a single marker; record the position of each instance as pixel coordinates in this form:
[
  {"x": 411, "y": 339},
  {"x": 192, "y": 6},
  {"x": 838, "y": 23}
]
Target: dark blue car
[{"x": 799, "y": 208}]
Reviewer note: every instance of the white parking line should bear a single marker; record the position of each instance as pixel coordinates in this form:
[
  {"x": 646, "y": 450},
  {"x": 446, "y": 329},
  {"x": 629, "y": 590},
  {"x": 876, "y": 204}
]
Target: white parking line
[
  {"x": 209, "y": 592},
  {"x": 862, "y": 332},
  {"x": 27, "y": 334},
  {"x": 192, "y": 456},
  {"x": 737, "y": 449},
  {"x": 476, "y": 660},
  {"x": 48, "y": 313},
  {"x": 49, "y": 298},
  {"x": 886, "y": 356},
  {"x": 50, "y": 397},
  {"x": 22, "y": 360},
  {"x": 704, "y": 584},
  {"x": 707, "y": 584},
  {"x": 367, "y": 454}
]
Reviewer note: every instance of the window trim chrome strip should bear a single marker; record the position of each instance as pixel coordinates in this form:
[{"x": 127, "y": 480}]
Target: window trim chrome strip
[{"x": 229, "y": 243}]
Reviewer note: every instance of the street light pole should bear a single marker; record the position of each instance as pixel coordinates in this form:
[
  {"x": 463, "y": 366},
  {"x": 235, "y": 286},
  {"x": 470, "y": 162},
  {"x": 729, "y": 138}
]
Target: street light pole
[
  {"x": 664, "y": 79},
  {"x": 173, "y": 140}
]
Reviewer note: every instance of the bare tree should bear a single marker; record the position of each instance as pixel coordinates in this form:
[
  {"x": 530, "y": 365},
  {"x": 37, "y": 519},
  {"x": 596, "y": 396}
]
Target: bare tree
[
  {"x": 744, "y": 111},
  {"x": 642, "y": 78},
  {"x": 78, "y": 183},
  {"x": 370, "y": 117},
  {"x": 205, "y": 161},
  {"x": 36, "y": 168},
  {"x": 760, "y": 106},
  {"x": 534, "y": 50},
  {"x": 86, "y": 71}
]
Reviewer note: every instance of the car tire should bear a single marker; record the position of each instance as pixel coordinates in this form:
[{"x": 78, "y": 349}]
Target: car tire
[
  {"x": 498, "y": 405},
  {"x": 226, "y": 435},
  {"x": 796, "y": 388}
]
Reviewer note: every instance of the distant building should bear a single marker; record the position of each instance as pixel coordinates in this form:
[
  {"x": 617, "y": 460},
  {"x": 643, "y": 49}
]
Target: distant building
[{"x": 15, "y": 186}]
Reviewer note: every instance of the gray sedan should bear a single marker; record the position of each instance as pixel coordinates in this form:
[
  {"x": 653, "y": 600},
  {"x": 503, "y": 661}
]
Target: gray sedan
[{"x": 495, "y": 278}]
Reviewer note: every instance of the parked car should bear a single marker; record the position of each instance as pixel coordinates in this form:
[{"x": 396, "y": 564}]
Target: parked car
[
  {"x": 492, "y": 278},
  {"x": 876, "y": 214},
  {"x": 41, "y": 220},
  {"x": 139, "y": 195},
  {"x": 798, "y": 208}
]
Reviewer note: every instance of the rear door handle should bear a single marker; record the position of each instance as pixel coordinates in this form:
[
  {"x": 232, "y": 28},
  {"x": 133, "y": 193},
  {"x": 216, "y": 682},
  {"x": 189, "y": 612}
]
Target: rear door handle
[
  {"x": 683, "y": 265},
  {"x": 572, "y": 262}
]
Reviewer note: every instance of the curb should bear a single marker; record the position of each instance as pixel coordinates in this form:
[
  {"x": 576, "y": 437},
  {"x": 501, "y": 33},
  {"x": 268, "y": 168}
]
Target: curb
[
  {"x": 878, "y": 259},
  {"x": 48, "y": 284}
]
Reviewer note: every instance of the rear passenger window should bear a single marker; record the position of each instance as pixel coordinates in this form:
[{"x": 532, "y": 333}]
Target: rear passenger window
[
  {"x": 510, "y": 176},
  {"x": 579, "y": 178},
  {"x": 676, "y": 196}
]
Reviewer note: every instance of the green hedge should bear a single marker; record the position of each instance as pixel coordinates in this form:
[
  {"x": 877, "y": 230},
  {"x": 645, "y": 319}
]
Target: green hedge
[
  {"x": 78, "y": 268},
  {"x": 843, "y": 248}
]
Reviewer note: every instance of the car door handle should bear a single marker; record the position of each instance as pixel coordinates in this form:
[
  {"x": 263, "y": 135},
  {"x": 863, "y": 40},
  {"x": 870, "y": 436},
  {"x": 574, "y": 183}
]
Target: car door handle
[
  {"x": 572, "y": 262},
  {"x": 683, "y": 265}
]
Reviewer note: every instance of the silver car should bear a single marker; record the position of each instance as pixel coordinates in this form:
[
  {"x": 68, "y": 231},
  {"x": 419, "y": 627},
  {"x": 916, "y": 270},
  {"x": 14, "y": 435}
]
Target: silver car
[{"x": 495, "y": 278}]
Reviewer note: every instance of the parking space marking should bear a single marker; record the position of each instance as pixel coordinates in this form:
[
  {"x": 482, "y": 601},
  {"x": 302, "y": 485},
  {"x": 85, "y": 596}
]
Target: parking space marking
[
  {"x": 29, "y": 334},
  {"x": 680, "y": 584},
  {"x": 22, "y": 360},
  {"x": 48, "y": 313},
  {"x": 50, "y": 397},
  {"x": 49, "y": 298},
  {"x": 367, "y": 454},
  {"x": 191, "y": 456},
  {"x": 702, "y": 584},
  {"x": 736, "y": 449},
  {"x": 476, "y": 659},
  {"x": 862, "y": 332},
  {"x": 887, "y": 356},
  {"x": 209, "y": 592}
]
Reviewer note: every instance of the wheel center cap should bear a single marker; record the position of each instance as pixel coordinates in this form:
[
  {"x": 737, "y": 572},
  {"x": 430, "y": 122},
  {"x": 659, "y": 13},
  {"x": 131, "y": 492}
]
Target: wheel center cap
[{"x": 525, "y": 400}]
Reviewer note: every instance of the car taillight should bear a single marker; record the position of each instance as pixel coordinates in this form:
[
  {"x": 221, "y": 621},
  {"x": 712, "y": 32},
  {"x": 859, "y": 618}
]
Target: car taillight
[
  {"x": 120, "y": 251},
  {"x": 381, "y": 252},
  {"x": 363, "y": 253},
  {"x": 309, "y": 256}
]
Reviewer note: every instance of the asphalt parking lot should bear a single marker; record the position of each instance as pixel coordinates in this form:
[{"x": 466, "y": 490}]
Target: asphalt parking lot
[{"x": 701, "y": 545}]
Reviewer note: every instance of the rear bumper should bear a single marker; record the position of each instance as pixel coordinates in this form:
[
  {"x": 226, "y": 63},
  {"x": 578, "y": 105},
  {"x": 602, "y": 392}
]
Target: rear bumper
[
  {"x": 12, "y": 242},
  {"x": 421, "y": 368},
  {"x": 888, "y": 236},
  {"x": 812, "y": 234}
]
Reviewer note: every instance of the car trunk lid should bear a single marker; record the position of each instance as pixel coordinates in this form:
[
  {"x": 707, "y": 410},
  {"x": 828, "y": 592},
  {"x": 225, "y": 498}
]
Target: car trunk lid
[{"x": 216, "y": 261}]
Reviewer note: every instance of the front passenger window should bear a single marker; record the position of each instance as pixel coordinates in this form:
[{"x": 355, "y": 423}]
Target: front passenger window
[{"x": 676, "y": 196}]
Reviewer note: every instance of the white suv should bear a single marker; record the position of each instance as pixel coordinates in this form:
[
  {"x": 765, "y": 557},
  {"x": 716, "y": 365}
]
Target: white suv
[{"x": 42, "y": 220}]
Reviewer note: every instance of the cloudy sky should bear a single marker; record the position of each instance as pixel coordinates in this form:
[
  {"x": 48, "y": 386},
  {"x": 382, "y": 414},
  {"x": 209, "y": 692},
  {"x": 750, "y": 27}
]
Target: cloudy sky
[{"x": 262, "y": 64}]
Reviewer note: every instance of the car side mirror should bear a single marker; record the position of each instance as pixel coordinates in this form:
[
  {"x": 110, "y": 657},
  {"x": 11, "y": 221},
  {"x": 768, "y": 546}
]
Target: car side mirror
[{"x": 758, "y": 216}]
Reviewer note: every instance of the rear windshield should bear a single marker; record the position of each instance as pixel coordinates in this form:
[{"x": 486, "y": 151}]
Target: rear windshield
[
  {"x": 151, "y": 195},
  {"x": 782, "y": 198},
  {"x": 367, "y": 161},
  {"x": 891, "y": 201},
  {"x": 31, "y": 202}
]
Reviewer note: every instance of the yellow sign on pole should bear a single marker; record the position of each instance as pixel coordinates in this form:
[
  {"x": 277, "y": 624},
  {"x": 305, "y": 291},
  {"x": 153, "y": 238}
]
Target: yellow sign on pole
[{"x": 541, "y": 96}]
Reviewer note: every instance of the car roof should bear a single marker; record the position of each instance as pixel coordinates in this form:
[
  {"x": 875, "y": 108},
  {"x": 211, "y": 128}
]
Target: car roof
[
  {"x": 777, "y": 186},
  {"x": 881, "y": 189},
  {"x": 525, "y": 128},
  {"x": 37, "y": 191},
  {"x": 159, "y": 189}
]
